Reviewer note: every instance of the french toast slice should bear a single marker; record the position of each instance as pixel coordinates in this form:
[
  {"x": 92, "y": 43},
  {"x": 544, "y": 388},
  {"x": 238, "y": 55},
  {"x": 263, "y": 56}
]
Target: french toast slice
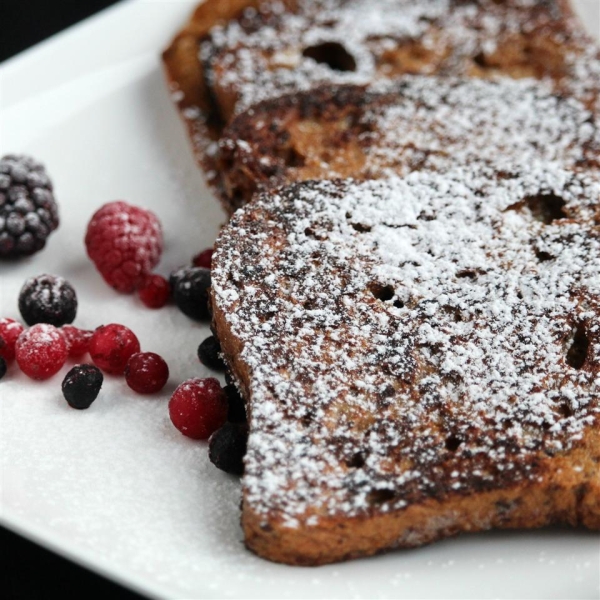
[
  {"x": 419, "y": 357},
  {"x": 235, "y": 53},
  {"x": 398, "y": 126}
]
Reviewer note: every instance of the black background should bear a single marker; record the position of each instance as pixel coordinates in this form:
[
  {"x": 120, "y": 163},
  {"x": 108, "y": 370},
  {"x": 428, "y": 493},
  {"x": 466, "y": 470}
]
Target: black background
[{"x": 28, "y": 571}]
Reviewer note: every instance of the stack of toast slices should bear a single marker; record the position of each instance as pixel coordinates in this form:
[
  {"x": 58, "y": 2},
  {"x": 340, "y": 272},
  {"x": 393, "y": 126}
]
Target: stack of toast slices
[{"x": 407, "y": 294}]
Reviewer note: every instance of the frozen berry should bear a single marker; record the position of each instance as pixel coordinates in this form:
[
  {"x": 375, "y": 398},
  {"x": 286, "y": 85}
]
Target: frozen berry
[
  {"x": 236, "y": 410},
  {"x": 146, "y": 373},
  {"x": 198, "y": 407},
  {"x": 209, "y": 354},
  {"x": 47, "y": 299},
  {"x": 28, "y": 210},
  {"x": 190, "y": 291},
  {"x": 125, "y": 243},
  {"x": 111, "y": 347},
  {"x": 2, "y": 367},
  {"x": 203, "y": 259},
  {"x": 78, "y": 340},
  {"x": 41, "y": 351},
  {"x": 10, "y": 330},
  {"x": 81, "y": 385},
  {"x": 227, "y": 448},
  {"x": 155, "y": 291}
]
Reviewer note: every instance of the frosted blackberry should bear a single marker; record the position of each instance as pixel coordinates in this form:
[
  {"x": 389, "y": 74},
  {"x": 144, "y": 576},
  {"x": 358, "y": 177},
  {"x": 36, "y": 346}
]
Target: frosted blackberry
[
  {"x": 48, "y": 299},
  {"x": 81, "y": 385},
  {"x": 28, "y": 210},
  {"x": 209, "y": 354},
  {"x": 227, "y": 448},
  {"x": 190, "y": 291}
]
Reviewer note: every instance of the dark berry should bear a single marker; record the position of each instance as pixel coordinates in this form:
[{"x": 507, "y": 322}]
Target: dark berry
[
  {"x": 198, "y": 407},
  {"x": 155, "y": 291},
  {"x": 81, "y": 385},
  {"x": 227, "y": 448},
  {"x": 47, "y": 299},
  {"x": 41, "y": 351},
  {"x": 10, "y": 330},
  {"x": 236, "y": 412},
  {"x": 190, "y": 291},
  {"x": 28, "y": 210},
  {"x": 146, "y": 373},
  {"x": 203, "y": 259},
  {"x": 2, "y": 367},
  {"x": 111, "y": 347},
  {"x": 125, "y": 243},
  {"x": 209, "y": 354},
  {"x": 78, "y": 340}
]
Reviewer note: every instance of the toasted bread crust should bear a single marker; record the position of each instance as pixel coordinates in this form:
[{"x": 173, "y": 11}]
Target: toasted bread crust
[{"x": 312, "y": 492}]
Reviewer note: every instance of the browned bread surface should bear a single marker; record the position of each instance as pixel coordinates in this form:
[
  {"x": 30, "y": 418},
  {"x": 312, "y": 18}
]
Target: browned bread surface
[
  {"x": 399, "y": 126},
  {"x": 420, "y": 357},
  {"x": 234, "y": 53}
]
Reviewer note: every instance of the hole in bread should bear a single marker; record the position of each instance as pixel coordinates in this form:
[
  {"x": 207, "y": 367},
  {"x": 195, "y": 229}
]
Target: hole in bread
[
  {"x": 545, "y": 208},
  {"x": 565, "y": 410},
  {"x": 398, "y": 303},
  {"x": 292, "y": 158},
  {"x": 380, "y": 496},
  {"x": 356, "y": 461},
  {"x": 360, "y": 227},
  {"x": 332, "y": 54},
  {"x": 577, "y": 352},
  {"x": 382, "y": 292},
  {"x": 543, "y": 256},
  {"x": 480, "y": 60},
  {"x": 452, "y": 443},
  {"x": 466, "y": 274}
]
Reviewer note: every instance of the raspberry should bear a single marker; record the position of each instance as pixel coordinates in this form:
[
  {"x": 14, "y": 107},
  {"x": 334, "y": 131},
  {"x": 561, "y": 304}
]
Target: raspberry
[
  {"x": 227, "y": 448},
  {"x": 198, "y": 407},
  {"x": 47, "y": 299},
  {"x": 81, "y": 385},
  {"x": 10, "y": 330},
  {"x": 190, "y": 291},
  {"x": 146, "y": 373},
  {"x": 3, "y": 367},
  {"x": 28, "y": 211},
  {"x": 209, "y": 354},
  {"x": 155, "y": 291},
  {"x": 125, "y": 243},
  {"x": 203, "y": 259},
  {"x": 236, "y": 411},
  {"x": 78, "y": 340},
  {"x": 41, "y": 351},
  {"x": 111, "y": 347}
]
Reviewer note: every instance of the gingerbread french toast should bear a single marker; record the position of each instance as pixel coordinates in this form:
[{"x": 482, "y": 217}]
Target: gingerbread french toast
[
  {"x": 397, "y": 126},
  {"x": 419, "y": 357},
  {"x": 235, "y": 53}
]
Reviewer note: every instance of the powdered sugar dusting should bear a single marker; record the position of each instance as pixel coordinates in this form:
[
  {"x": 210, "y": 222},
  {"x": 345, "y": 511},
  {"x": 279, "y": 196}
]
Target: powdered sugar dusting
[{"x": 425, "y": 335}]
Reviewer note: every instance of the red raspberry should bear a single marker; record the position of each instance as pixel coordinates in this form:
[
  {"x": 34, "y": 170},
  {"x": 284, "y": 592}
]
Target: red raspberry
[
  {"x": 111, "y": 347},
  {"x": 198, "y": 407},
  {"x": 125, "y": 243},
  {"x": 10, "y": 330},
  {"x": 155, "y": 291},
  {"x": 146, "y": 373},
  {"x": 78, "y": 340},
  {"x": 41, "y": 351},
  {"x": 203, "y": 259}
]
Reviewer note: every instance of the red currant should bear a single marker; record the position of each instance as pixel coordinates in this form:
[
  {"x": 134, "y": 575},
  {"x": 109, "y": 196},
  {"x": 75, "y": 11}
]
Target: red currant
[
  {"x": 146, "y": 373},
  {"x": 198, "y": 407},
  {"x": 203, "y": 259},
  {"x": 10, "y": 330},
  {"x": 155, "y": 291},
  {"x": 41, "y": 351},
  {"x": 111, "y": 346},
  {"x": 78, "y": 340}
]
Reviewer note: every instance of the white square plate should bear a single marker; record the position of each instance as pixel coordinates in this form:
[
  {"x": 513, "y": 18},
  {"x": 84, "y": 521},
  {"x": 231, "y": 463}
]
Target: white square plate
[{"x": 116, "y": 487}]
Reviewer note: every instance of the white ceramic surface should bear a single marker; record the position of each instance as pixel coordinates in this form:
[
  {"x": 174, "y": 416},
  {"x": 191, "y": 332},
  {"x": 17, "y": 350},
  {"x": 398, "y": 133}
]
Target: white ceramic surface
[{"x": 116, "y": 487}]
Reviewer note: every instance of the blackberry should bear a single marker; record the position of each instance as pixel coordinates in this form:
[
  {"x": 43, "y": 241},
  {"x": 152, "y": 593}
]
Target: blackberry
[
  {"x": 2, "y": 367},
  {"x": 190, "y": 291},
  {"x": 48, "y": 299},
  {"x": 81, "y": 385},
  {"x": 227, "y": 448},
  {"x": 209, "y": 354},
  {"x": 28, "y": 210},
  {"x": 236, "y": 412}
]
